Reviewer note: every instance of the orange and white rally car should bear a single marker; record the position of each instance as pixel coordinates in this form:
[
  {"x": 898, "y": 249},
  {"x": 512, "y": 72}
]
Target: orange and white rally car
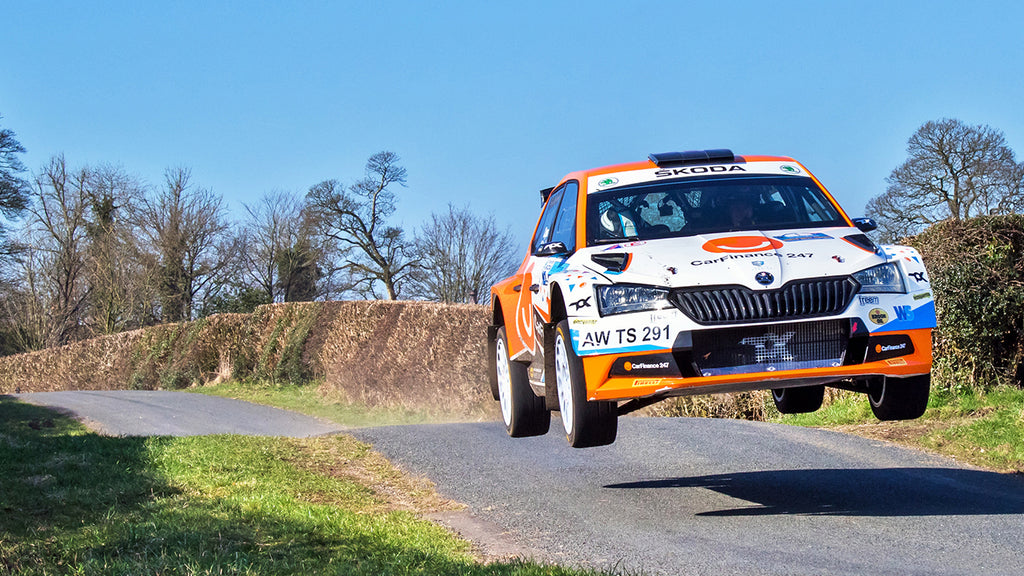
[{"x": 702, "y": 272}]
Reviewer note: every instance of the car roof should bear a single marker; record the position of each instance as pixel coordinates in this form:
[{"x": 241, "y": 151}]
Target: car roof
[{"x": 583, "y": 175}]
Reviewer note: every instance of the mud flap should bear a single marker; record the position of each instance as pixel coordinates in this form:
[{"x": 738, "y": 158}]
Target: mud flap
[
  {"x": 492, "y": 371},
  {"x": 550, "y": 383}
]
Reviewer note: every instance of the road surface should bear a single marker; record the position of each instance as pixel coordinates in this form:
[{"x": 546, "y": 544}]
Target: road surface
[
  {"x": 162, "y": 413},
  {"x": 700, "y": 496}
]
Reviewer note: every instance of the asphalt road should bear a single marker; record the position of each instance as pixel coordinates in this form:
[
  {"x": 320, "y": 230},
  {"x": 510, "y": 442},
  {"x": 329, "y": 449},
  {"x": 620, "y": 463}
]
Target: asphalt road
[
  {"x": 697, "y": 496},
  {"x": 160, "y": 413},
  {"x": 671, "y": 496}
]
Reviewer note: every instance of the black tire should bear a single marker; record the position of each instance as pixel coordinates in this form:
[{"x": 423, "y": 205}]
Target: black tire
[
  {"x": 899, "y": 398},
  {"x": 798, "y": 400},
  {"x": 522, "y": 410},
  {"x": 586, "y": 423}
]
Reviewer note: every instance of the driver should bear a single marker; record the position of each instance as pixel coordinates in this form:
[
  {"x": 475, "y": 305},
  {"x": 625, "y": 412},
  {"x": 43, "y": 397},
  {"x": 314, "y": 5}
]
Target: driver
[{"x": 739, "y": 208}]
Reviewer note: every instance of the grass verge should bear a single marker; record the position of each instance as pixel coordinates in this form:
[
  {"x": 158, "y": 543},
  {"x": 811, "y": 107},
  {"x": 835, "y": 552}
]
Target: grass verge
[
  {"x": 74, "y": 502},
  {"x": 981, "y": 428}
]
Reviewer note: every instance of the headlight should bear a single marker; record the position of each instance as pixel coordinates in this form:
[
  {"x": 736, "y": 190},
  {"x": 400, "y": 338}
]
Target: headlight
[
  {"x": 619, "y": 298},
  {"x": 883, "y": 278}
]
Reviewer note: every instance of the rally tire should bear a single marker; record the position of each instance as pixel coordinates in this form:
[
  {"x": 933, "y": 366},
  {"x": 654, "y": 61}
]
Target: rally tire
[
  {"x": 586, "y": 423},
  {"x": 899, "y": 398},
  {"x": 798, "y": 400},
  {"x": 523, "y": 411}
]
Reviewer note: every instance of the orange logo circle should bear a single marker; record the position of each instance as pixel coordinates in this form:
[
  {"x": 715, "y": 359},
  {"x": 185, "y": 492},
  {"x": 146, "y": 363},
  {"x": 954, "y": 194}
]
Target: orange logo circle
[
  {"x": 878, "y": 348},
  {"x": 628, "y": 366},
  {"x": 739, "y": 244}
]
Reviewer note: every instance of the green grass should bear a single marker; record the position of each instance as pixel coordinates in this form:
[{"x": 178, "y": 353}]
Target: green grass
[
  {"x": 983, "y": 428},
  {"x": 73, "y": 502},
  {"x": 307, "y": 399}
]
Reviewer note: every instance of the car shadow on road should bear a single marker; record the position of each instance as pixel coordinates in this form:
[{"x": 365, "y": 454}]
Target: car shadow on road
[{"x": 857, "y": 492}]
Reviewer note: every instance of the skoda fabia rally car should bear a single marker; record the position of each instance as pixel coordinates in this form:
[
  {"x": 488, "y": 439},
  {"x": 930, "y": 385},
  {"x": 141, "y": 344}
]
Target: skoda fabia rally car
[{"x": 703, "y": 272}]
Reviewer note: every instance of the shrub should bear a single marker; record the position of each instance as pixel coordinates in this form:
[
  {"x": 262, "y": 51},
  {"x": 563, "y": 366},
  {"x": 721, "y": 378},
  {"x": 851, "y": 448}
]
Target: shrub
[{"x": 976, "y": 270}]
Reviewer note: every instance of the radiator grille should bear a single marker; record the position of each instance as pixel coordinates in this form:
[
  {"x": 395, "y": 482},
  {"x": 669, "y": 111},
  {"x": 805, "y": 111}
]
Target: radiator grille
[
  {"x": 737, "y": 304},
  {"x": 771, "y": 347}
]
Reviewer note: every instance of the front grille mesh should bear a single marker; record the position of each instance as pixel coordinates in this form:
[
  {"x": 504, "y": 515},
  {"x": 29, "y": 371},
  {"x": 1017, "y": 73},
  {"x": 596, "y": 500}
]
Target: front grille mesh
[
  {"x": 738, "y": 304},
  {"x": 788, "y": 346}
]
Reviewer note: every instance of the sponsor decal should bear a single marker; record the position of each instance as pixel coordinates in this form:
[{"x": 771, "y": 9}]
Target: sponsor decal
[
  {"x": 611, "y": 181},
  {"x": 626, "y": 245},
  {"x": 764, "y": 278},
  {"x": 650, "y": 365},
  {"x": 896, "y": 362},
  {"x": 922, "y": 295},
  {"x": 878, "y": 316},
  {"x": 665, "y": 172},
  {"x": 867, "y": 300},
  {"x": 741, "y": 244},
  {"x": 905, "y": 313},
  {"x": 757, "y": 255},
  {"x": 647, "y": 382},
  {"x": 890, "y": 347},
  {"x": 839, "y": 258},
  {"x": 918, "y": 276},
  {"x": 789, "y": 169},
  {"x": 630, "y": 366},
  {"x": 672, "y": 269},
  {"x": 584, "y": 303},
  {"x": 584, "y": 321},
  {"x": 797, "y": 237}
]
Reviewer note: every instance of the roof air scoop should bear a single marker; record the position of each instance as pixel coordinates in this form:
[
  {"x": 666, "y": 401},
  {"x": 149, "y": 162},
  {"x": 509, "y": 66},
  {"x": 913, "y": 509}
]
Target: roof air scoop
[{"x": 716, "y": 156}]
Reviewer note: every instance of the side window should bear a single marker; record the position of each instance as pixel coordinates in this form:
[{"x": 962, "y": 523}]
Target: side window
[
  {"x": 817, "y": 208},
  {"x": 565, "y": 224},
  {"x": 547, "y": 220}
]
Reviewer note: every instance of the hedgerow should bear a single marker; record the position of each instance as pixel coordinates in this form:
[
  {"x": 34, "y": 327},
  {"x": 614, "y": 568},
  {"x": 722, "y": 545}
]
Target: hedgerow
[{"x": 976, "y": 270}]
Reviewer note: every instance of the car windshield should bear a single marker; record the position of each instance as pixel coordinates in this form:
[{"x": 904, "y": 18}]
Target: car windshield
[{"x": 690, "y": 207}]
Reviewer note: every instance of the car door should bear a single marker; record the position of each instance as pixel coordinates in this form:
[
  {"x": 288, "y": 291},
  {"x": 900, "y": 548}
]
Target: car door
[{"x": 557, "y": 224}]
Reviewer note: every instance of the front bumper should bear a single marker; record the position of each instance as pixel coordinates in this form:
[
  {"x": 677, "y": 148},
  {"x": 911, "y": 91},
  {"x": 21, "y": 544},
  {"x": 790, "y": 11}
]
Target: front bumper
[{"x": 711, "y": 366}]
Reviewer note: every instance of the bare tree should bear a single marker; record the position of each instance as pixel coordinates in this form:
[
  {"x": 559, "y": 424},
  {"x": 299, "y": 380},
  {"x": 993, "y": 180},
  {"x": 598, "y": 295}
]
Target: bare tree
[
  {"x": 24, "y": 311},
  {"x": 14, "y": 190},
  {"x": 356, "y": 219},
  {"x": 59, "y": 232},
  {"x": 269, "y": 227},
  {"x": 953, "y": 170},
  {"x": 461, "y": 256},
  {"x": 120, "y": 297},
  {"x": 187, "y": 238}
]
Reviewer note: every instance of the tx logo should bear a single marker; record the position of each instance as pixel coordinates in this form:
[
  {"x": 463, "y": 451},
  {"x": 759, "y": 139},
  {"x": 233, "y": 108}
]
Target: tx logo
[
  {"x": 584, "y": 303},
  {"x": 918, "y": 276},
  {"x": 771, "y": 347}
]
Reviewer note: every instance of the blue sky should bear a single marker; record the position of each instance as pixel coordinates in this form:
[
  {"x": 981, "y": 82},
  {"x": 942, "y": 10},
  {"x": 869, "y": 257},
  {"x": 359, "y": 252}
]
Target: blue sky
[{"x": 488, "y": 102}]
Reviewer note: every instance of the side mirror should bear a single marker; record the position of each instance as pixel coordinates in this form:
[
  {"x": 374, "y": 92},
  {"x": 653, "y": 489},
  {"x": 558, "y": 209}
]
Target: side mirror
[
  {"x": 552, "y": 249},
  {"x": 865, "y": 224}
]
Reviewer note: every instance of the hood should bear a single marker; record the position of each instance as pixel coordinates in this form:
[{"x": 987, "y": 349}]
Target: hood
[{"x": 755, "y": 259}]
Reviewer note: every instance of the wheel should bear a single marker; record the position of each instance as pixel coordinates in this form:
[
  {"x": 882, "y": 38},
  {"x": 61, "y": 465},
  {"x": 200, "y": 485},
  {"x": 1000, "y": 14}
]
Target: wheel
[
  {"x": 798, "y": 400},
  {"x": 899, "y": 398},
  {"x": 522, "y": 410},
  {"x": 586, "y": 423}
]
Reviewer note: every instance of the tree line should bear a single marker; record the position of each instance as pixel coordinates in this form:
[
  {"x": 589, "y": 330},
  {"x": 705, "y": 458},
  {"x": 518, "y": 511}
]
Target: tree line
[{"x": 93, "y": 250}]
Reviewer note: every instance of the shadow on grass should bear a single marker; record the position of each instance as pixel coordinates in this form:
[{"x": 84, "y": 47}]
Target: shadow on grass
[
  {"x": 75, "y": 502},
  {"x": 858, "y": 492}
]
